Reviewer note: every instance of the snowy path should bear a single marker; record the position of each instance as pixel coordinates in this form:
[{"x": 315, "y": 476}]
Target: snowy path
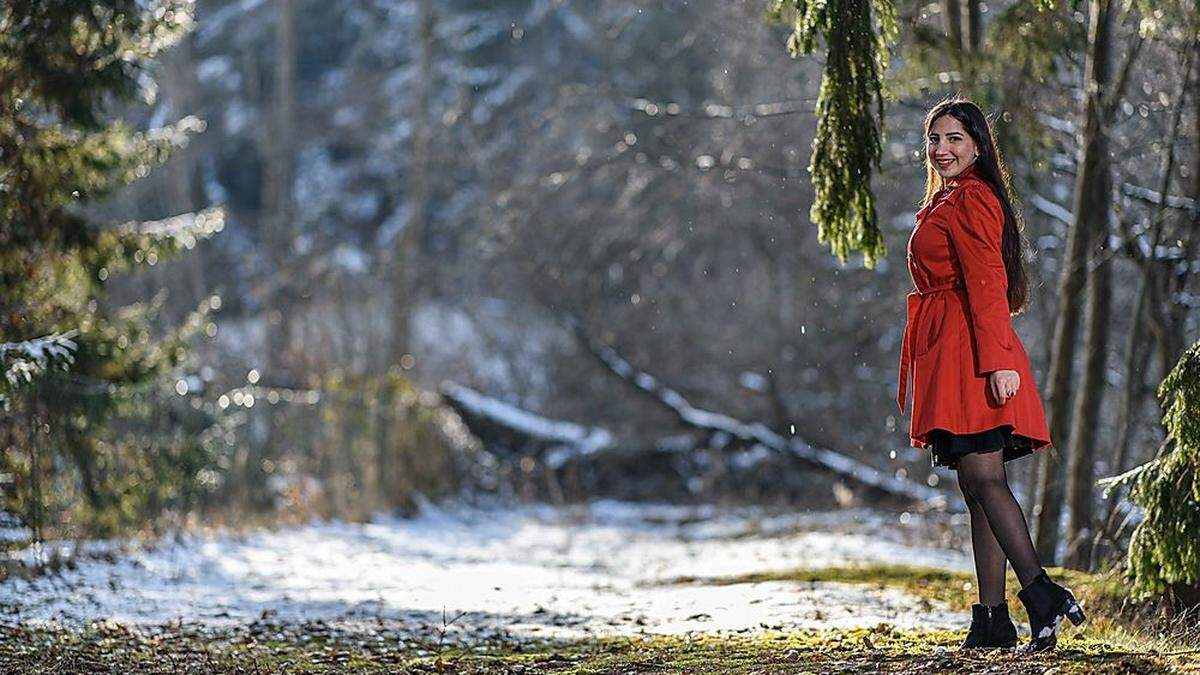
[{"x": 522, "y": 571}]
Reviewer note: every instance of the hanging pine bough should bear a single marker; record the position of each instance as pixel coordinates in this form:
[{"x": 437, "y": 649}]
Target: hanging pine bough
[
  {"x": 850, "y": 126},
  {"x": 1164, "y": 551},
  {"x": 22, "y": 362}
]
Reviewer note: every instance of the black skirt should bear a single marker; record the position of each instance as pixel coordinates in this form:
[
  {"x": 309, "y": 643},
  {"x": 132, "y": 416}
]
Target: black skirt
[{"x": 945, "y": 447}]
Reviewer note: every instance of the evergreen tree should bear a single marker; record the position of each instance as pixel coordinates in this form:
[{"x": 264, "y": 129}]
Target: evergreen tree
[
  {"x": 78, "y": 370},
  {"x": 1164, "y": 551}
]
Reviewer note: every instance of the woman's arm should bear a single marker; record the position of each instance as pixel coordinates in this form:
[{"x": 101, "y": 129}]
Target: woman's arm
[{"x": 976, "y": 233}]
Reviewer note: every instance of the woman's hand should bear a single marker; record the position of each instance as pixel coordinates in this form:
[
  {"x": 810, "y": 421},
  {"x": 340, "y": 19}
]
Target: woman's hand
[{"x": 1004, "y": 384}]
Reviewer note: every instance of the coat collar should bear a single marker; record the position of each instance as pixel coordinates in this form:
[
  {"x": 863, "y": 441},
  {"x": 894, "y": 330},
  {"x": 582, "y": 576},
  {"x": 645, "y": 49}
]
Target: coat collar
[
  {"x": 963, "y": 176},
  {"x": 949, "y": 186}
]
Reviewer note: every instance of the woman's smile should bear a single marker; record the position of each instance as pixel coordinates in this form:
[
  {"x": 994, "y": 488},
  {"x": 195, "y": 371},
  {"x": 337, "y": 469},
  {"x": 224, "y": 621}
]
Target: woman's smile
[{"x": 950, "y": 148}]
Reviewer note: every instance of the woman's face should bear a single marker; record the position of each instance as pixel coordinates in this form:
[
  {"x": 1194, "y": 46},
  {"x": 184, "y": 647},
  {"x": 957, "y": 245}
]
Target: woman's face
[{"x": 950, "y": 148}]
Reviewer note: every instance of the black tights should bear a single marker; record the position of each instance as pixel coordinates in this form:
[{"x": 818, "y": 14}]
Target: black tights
[{"x": 998, "y": 527}]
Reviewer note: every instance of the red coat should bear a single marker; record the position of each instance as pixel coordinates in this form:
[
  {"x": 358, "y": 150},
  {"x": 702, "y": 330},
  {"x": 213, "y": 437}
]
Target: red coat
[{"x": 959, "y": 328}]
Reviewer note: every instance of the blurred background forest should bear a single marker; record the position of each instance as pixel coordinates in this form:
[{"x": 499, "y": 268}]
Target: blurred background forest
[{"x": 265, "y": 260}]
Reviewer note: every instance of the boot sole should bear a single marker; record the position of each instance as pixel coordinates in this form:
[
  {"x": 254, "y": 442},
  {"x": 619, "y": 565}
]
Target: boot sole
[{"x": 1005, "y": 645}]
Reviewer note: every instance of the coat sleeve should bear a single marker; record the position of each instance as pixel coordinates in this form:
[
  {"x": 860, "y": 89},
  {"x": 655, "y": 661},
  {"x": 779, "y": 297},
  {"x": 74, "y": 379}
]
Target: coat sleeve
[{"x": 976, "y": 233}]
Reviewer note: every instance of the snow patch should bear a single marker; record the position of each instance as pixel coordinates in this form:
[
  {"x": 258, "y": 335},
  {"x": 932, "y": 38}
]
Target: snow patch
[{"x": 597, "y": 570}]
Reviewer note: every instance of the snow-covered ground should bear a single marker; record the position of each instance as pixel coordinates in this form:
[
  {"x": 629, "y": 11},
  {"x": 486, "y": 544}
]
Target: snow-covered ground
[{"x": 531, "y": 570}]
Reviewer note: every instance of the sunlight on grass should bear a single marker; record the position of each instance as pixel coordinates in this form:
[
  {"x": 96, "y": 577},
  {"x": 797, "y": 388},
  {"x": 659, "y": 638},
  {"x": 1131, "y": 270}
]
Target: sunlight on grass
[
  {"x": 1111, "y": 620},
  {"x": 881, "y": 649}
]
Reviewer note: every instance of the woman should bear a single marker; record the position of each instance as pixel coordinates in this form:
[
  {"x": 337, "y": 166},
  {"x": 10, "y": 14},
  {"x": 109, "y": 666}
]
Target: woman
[{"x": 975, "y": 403}]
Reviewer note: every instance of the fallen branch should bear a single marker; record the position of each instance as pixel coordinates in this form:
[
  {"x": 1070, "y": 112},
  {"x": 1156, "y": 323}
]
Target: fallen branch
[
  {"x": 758, "y": 433},
  {"x": 558, "y": 442}
]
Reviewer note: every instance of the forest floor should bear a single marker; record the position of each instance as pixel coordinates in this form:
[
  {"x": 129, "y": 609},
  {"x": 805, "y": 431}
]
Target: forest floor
[{"x": 605, "y": 588}]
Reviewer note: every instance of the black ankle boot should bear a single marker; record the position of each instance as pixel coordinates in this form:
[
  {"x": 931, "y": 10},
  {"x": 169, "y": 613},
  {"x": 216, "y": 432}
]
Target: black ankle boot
[
  {"x": 1047, "y": 603},
  {"x": 990, "y": 628}
]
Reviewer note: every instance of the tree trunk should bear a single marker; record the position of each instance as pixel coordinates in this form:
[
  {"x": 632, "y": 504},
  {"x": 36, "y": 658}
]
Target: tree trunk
[
  {"x": 1166, "y": 317},
  {"x": 383, "y": 446},
  {"x": 1136, "y": 355},
  {"x": 952, "y": 17},
  {"x": 974, "y": 36},
  {"x": 281, "y": 143},
  {"x": 407, "y": 254},
  {"x": 184, "y": 182},
  {"x": 1086, "y": 416},
  {"x": 277, "y": 222},
  {"x": 1135, "y": 360},
  {"x": 1090, "y": 206},
  {"x": 1178, "y": 311}
]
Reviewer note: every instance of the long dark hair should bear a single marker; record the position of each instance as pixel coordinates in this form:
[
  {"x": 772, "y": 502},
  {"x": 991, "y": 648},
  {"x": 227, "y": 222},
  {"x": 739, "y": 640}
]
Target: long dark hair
[{"x": 990, "y": 167}]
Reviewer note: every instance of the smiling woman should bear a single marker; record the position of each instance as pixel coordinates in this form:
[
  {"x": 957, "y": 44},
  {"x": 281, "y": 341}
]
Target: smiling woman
[
  {"x": 968, "y": 365},
  {"x": 975, "y": 402}
]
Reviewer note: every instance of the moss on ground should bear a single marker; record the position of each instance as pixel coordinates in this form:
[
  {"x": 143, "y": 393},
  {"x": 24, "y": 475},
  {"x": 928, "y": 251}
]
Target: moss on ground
[
  {"x": 106, "y": 648},
  {"x": 1112, "y": 619},
  {"x": 949, "y": 587}
]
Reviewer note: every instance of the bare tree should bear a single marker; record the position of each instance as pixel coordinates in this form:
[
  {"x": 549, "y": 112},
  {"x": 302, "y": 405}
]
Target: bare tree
[
  {"x": 1090, "y": 208},
  {"x": 1137, "y": 350}
]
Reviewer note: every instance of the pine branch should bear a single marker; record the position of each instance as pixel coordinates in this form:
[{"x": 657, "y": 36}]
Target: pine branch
[
  {"x": 850, "y": 123},
  {"x": 22, "y": 362}
]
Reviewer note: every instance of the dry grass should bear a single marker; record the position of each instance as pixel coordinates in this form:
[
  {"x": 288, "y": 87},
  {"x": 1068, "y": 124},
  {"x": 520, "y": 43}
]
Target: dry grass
[{"x": 883, "y": 649}]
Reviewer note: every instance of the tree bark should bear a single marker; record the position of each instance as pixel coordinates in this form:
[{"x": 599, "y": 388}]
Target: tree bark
[
  {"x": 1177, "y": 312},
  {"x": 1090, "y": 208},
  {"x": 1136, "y": 365},
  {"x": 974, "y": 36},
  {"x": 1136, "y": 359},
  {"x": 952, "y": 17},
  {"x": 1166, "y": 317},
  {"x": 183, "y": 174},
  {"x": 278, "y": 141},
  {"x": 1086, "y": 416},
  {"x": 407, "y": 253}
]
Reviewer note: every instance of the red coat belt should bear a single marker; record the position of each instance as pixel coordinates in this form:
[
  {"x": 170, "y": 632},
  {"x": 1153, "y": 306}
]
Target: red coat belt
[{"x": 914, "y": 305}]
